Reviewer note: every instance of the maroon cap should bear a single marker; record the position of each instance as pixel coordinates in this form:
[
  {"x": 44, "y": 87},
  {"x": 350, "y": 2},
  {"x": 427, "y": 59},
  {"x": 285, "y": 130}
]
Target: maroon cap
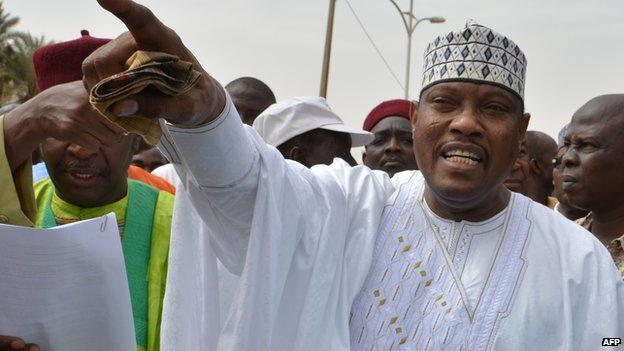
[
  {"x": 62, "y": 62},
  {"x": 396, "y": 108}
]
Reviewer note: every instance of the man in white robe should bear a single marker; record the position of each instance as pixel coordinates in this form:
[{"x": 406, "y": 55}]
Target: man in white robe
[{"x": 339, "y": 258}]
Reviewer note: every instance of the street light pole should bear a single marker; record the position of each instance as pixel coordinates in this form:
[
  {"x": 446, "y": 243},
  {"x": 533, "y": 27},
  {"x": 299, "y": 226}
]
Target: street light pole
[
  {"x": 410, "y": 30},
  {"x": 411, "y": 21},
  {"x": 328, "y": 44}
]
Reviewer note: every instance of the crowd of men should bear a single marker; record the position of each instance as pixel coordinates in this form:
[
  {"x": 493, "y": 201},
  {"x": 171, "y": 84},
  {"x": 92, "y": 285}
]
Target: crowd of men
[{"x": 461, "y": 230}]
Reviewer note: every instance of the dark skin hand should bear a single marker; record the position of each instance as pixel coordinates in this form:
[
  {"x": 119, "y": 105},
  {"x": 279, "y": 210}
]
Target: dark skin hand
[
  {"x": 57, "y": 112},
  {"x": 11, "y": 343},
  {"x": 202, "y": 104}
]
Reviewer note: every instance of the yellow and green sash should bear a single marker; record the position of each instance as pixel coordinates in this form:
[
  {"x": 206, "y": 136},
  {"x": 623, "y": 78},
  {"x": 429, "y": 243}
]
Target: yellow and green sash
[{"x": 136, "y": 245}]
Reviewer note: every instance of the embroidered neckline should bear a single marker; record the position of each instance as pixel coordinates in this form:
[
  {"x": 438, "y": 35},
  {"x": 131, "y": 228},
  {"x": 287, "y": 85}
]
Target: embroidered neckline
[
  {"x": 456, "y": 246},
  {"x": 499, "y": 219},
  {"x": 430, "y": 212},
  {"x": 413, "y": 297}
]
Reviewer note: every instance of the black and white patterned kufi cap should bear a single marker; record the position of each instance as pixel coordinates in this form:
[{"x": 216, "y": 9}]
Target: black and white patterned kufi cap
[{"x": 475, "y": 53}]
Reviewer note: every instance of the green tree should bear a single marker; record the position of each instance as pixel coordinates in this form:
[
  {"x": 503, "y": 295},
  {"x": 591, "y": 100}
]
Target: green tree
[
  {"x": 20, "y": 69},
  {"x": 7, "y": 34},
  {"x": 17, "y": 74}
]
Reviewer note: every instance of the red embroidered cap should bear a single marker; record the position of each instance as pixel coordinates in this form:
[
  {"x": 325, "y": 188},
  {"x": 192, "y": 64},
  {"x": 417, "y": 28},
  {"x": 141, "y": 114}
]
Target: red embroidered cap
[
  {"x": 62, "y": 62},
  {"x": 398, "y": 108}
]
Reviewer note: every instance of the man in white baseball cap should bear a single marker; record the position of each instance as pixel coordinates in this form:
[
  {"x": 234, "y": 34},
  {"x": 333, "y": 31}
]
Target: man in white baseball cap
[{"x": 306, "y": 130}]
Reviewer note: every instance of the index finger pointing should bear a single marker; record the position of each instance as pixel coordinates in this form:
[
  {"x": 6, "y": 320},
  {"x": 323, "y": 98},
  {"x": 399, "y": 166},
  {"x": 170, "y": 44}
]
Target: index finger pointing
[{"x": 148, "y": 31}]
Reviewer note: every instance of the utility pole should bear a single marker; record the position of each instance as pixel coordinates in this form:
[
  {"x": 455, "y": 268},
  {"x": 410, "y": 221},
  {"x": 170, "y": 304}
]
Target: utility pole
[
  {"x": 411, "y": 21},
  {"x": 328, "y": 44},
  {"x": 408, "y": 61}
]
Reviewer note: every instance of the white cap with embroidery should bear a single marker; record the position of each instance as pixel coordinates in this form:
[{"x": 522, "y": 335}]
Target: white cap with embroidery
[{"x": 475, "y": 53}]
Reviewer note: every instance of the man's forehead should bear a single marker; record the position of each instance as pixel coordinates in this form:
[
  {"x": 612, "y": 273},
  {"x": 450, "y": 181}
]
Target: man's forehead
[
  {"x": 470, "y": 88},
  {"x": 605, "y": 107},
  {"x": 598, "y": 117},
  {"x": 587, "y": 126}
]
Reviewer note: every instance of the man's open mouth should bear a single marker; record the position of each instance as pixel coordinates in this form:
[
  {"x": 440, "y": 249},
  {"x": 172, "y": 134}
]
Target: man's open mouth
[
  {"x": 83, "y": 176},
  {"x": 462, "y": 156}
]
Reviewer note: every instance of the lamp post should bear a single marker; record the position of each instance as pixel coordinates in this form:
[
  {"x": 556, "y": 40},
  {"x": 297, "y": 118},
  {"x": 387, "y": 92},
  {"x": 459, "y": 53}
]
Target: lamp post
[
  {"x": 411, "y": 21},
  {"x": 328, "y": 44}
]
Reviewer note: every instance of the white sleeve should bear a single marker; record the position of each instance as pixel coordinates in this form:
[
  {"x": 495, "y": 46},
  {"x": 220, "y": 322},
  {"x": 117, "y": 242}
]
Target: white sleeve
[
  {"x": 300, "y": 238},
  {"x": 217, "y": 166},
  {"x": 217, "y": 155},
  {"x": 232, "y": 176}
]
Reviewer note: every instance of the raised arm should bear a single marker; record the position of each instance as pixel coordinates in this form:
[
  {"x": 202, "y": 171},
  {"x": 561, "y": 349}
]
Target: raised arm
[
  {"x": 204, "y": 138},
  {"x": 288, "y": 230},
  {"x": 225, "y": 168},
  {"x": 202, "y": 104}
]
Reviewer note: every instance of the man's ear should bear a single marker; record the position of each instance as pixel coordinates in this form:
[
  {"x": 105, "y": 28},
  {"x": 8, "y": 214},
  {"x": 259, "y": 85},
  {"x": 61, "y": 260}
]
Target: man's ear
[
  {"x": 535, "y": 167},
  {"x": 523, "y": 125},
  {"x": 522, "y": 128},
  {"x": 136, "y": 143},
  {"x": 298, "y": 154},
  {"x": 40, "y": 148},
  {"x": 364, "y": 155},
  {"x": 414, "y": 113}
]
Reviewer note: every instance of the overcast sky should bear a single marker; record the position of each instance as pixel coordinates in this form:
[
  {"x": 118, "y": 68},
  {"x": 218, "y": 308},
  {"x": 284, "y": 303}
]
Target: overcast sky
[{"x": 575, "y": 48}]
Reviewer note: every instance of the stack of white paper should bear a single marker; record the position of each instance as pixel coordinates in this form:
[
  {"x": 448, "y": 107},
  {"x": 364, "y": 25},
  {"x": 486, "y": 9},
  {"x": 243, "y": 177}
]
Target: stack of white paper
[{"x": 65, "y": 288}]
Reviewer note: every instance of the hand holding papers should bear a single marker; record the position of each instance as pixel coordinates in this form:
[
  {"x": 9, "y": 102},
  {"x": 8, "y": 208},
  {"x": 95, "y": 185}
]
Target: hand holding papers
[{"x": 65, "y": 288}]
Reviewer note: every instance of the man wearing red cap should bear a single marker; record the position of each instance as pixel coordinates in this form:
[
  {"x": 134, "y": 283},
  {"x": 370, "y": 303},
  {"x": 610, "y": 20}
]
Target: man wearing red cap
[
  {"x": 87, "y": 158},
  {"x": 392, "y": 149},
  {"x": 58, "y": 68}
]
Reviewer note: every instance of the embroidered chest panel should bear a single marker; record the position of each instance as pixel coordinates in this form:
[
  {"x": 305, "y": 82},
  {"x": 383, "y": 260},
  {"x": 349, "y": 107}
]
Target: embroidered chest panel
[{"x": 412, "y": 298}]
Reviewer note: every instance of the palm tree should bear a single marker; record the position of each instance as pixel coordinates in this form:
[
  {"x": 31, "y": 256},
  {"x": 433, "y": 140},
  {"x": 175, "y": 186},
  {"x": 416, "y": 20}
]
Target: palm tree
[
  {"x": 7, "y": 22},
  {"x": 20, "y": 68},
  {"x": 17, "y": 75},
  {"x": 7, "y": 34}
]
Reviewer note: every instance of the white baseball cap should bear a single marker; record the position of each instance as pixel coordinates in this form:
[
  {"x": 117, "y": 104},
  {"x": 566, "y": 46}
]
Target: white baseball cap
[{"x": 286, "y": 119}]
